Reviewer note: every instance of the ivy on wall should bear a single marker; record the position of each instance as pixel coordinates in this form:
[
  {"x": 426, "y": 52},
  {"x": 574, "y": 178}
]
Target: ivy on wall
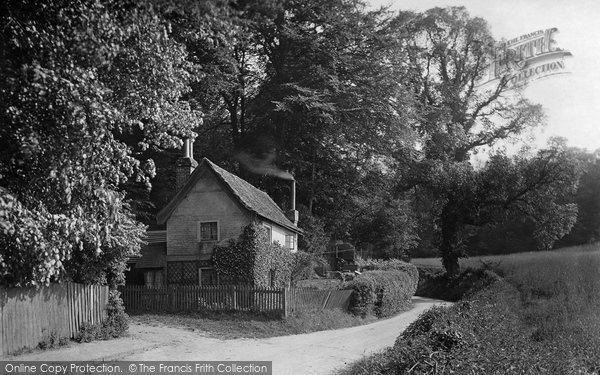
[{"x": 253, "y": 259}]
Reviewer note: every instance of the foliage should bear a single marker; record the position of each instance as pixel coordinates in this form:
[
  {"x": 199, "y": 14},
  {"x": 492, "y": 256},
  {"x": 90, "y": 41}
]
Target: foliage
[
  {"x": 388, "y": 265},
  {"x": 115, "y": 325},
  {"x": 540, "y": 319},
  {"x": 78, "y": 79},
  {"x": 52, "y": 341},
  {"x": 382, "y": 293},
  {"x": 303, "y": 266},
  {"x": 273, "y": 266},
  {"x": 435, "y": 283},
  {"x": 389, "y": 226},
  {"x": 253, "y": 259},
  {"x": 314, "y": 240},
  {"x": 375, "y": 113},
  {"x": 448, "y": 56}
]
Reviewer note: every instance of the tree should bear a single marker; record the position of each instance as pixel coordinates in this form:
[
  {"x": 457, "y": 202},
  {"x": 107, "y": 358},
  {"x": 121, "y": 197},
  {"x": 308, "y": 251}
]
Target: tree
[
  {"x": 448, "y": 55},
  {"x": 587, "y": 228},
  {"x": 77, "y": 79},
  {"x": 330, "y": 105}
]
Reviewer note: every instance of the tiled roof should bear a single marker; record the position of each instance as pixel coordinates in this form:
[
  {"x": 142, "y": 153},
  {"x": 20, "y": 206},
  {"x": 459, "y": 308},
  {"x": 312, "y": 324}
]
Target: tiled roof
[{"x": 250, "y": 197}]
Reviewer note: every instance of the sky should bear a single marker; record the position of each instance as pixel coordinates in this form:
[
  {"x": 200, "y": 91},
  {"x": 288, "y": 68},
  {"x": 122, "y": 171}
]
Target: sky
[{"x": 571, "y": 102}]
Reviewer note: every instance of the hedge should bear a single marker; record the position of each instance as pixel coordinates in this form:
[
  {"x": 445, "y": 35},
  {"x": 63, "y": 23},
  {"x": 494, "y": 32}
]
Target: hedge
[
  {"x": 382, "y": 293},
  {"x": 387, "y": 265}
]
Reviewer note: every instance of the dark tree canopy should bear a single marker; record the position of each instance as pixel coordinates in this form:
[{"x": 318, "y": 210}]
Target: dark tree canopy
[{"x": 376, "y": 114}]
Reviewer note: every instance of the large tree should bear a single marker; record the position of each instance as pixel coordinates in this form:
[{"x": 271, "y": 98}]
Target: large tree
[
  {"x": 78, "y": 79},
  {"x": 449, "y": 55}
]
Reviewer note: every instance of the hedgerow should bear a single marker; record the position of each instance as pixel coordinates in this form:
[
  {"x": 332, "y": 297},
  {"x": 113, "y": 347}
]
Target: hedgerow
[
  {"x": 253, "y": 259},
  {"x": 541, "y": 318},
  {"x": 387, "y": 265},
  {"x": 382, "y": 293},
  {"x": 435, "y": 283}
]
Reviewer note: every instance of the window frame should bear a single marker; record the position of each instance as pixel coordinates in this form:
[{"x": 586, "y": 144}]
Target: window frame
[
  {"x": 199, "y": 231},
  {"x": 291, "y": 244},
  {"x": 269, "y": 229}
]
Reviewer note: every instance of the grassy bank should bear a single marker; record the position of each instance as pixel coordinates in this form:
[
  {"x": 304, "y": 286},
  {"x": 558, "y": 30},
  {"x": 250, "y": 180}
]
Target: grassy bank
[
  {"x": 540, "y": 317},
  {"x": 232, "y": 326}
]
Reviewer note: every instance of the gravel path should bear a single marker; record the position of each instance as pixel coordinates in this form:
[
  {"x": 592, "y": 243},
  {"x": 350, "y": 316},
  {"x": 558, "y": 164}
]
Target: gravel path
[{"x": 313, "y": 353}]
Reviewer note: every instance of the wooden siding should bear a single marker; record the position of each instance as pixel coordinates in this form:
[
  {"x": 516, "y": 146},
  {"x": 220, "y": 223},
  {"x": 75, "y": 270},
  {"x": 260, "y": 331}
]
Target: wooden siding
[
  {"x": 28, "y": 315},
  {"x": 206, "y": 201}
]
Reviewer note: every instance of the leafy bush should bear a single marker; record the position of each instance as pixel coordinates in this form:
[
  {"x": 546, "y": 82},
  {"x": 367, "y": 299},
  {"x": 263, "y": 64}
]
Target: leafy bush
[
  {"x": 303, "y": 266},
  {"x": 382, "y": 293},
  {"x": 387, "y": 264},
  {"x": 436, "y": 283},
  {"x": 52, "y": 341},
  {"x": 115, "y": 325},
  {"x": 253, "y": 259}
]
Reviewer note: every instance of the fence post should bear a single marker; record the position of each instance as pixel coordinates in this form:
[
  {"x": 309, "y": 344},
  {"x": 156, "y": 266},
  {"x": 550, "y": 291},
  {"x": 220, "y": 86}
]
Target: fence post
[
  {"x": 285, "y": 302},
  {"x": 234, "y": 302}
]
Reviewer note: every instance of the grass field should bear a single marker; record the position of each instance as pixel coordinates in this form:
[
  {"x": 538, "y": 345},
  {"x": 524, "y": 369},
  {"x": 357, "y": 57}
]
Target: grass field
[
  {"x": 507, "y": 261},
  {"x": 541, "y": 317}
]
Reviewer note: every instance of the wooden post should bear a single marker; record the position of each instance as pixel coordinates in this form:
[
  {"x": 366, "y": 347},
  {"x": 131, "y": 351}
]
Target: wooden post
[
  {"x": 234, "y": 294},
  {"x": 285, "y": 303}
]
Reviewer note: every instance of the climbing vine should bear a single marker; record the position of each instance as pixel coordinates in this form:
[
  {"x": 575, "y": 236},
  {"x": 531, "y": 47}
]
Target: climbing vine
[{"x": 253, "y": 259}]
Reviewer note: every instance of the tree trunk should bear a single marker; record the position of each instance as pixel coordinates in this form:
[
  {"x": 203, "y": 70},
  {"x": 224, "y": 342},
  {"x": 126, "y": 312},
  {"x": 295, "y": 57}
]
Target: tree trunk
[{"x": 450, "y": 232}]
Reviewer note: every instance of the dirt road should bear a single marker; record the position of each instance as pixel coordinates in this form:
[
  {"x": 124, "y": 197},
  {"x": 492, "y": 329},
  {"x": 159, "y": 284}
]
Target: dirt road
[{"x": 313, "y": 353}]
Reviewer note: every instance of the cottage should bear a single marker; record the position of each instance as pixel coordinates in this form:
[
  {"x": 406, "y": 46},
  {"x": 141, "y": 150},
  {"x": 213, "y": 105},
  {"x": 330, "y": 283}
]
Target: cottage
[{"x": 210, "y": 206}]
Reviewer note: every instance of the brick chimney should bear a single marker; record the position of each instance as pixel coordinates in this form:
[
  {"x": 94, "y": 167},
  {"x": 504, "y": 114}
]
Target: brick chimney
[
  {"x": 292, "y": 213},
  {"x": 185, "y": 164}
]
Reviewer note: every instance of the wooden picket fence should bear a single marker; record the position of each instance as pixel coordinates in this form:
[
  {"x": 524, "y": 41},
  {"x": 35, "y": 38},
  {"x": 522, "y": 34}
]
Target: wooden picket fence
[
  {"x": 29, "y": 315},
  {"x": 283, "y": 301}
]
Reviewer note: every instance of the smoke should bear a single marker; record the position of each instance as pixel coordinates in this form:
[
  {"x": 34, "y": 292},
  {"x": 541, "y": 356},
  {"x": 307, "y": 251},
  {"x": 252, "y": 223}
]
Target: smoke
[{"x": 262, "y": 166}]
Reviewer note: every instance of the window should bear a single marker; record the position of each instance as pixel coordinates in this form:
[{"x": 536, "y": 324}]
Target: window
[
  {"x": 208, "y": 231},
  {"x": 269, "y": 231},
  {"x": 153, "y": 278},
  {"x": 289, "y": 242}
]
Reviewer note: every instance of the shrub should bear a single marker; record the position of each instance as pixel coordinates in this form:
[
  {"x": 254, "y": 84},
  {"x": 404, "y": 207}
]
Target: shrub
[
  {"x": 541, "y": 319},
  {"x": 115, "y": 325},
  {"x": 253, "y": 259},
  {"x": 303, "y": 266},
  {"x": 387, "y": 265},
  {"x": 52, "y": 341},
  {"x": 382, "y": 293},
  {"x": 117, "y": 322},
  {"x": 436, "y": 283}
]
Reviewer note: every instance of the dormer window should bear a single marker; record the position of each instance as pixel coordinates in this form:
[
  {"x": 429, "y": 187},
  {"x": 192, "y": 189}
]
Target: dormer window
[{"x": 208, "y": 231}]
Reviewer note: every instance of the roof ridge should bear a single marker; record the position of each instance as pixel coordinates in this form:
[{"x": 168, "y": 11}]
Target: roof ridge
[{"x": 248, "y": 195}]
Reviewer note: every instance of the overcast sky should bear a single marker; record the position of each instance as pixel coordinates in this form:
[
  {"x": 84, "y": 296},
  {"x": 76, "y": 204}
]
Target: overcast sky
[{"x": 572, "y": 102}]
